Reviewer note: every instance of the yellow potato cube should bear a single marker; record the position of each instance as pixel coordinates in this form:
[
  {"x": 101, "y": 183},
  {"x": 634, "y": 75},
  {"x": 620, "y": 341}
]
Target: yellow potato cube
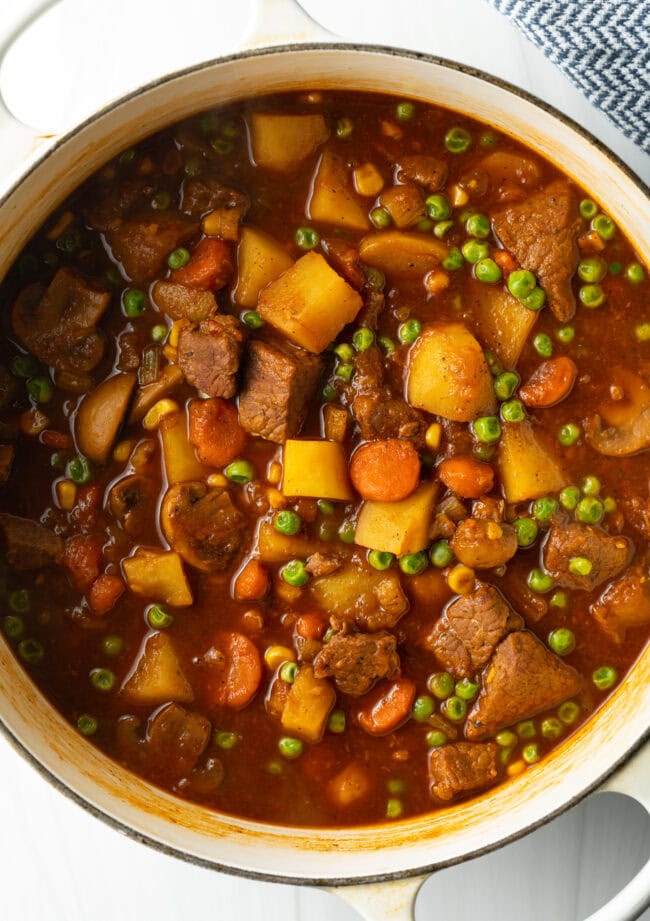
[
  {"x": 309, "y": 303},
  {"x": 527, "y": 469},
  {"x": 368, "y": 180},
  {"x": 349, "y": 785},
  {"x": 273, "y": 547},
  {"x": 316, "y": 468},
  {"x": 282, "y": 142},
  {"x": 333, "y": 199},
  {"x": 159, "y": 575},
  {"x": 308, "y": 705},
  {"x": 156, "y": 676},
  {"x": 399, "y": 253},
  {"x": 503, "y": 324},
  {"x": 181, "y": 462},
  {"x": 398, "y": 527},
  {"x": 260, "y": 260}
]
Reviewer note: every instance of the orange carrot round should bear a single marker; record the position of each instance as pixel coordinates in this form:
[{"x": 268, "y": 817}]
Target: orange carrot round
[
  {"x": 385, "y": 471},
  {"x": 215, "y": 431},
  {"x": 104, "y": 593},
  {"x": 466, "y": 476},
  {"x": 311, "y": 626},
  {"x": 209, "y": 268},
  {"x": 238, "y": 671},
  {"x": 252, "y": 582},
  {"x": 550, "y": 383},
  {"x": 387, "y": 706}
]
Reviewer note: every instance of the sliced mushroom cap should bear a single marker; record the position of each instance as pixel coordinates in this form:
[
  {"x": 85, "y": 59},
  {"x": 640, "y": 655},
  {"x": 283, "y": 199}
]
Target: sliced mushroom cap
[
  {"x": 202, "y": 525},
  {"x": 133, "y": 502},
  {"x": 628, "y": 418},
  {"x": 100, "y": 415}
]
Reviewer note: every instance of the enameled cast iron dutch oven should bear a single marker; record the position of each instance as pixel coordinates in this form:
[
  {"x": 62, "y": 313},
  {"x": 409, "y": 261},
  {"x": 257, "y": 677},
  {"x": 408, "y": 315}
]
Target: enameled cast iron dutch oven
[{"x": 392, "y": 861}]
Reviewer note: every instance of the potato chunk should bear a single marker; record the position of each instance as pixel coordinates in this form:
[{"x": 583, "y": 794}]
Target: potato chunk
[
  {"x": 274, "y": 547},
  {"x": 402, "y": 254},
  {"x": 397, "y": 527},
  {"x": 333, "y": 199},
  {"x": 503, "y": 324},
  {"x": 181, "y": 462},
  {"x": 260, "y": 260},
  {"x": 349, "y": 785},
  {"x": 282, "y": 142},
  {"x": 315, "y": 468},
  {"x": 527, "y": 469},
  {"x": 448, "y": 374},
  {"x": 158, "y": 575},
  {"x": 308, "y": 705},
  {"x": 309, "y": 303},
  {"x": 156, "y": 676}
]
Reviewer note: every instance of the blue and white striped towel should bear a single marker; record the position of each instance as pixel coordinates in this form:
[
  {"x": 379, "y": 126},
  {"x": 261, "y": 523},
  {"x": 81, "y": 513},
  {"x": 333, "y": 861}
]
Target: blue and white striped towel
[{"x": 603, "y": 46}]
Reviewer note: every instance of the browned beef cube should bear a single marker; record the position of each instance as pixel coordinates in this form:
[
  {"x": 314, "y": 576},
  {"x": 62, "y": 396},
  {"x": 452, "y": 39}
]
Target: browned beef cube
[
  {"x": 522, "y": 679},
  {"x": 425, "y": 170},
  {"x": 377, "y": 412},
  {"x": 469, "y": 631},
  {"x": 323, "y": 564},
  {"x": 109, "y": 202},
  {"x": 208, "y": 194},
  {"x": 183, "y": 303},
  {"x": 541, "y": 234},
  {"x": 279, "y": 382},
  {"x": 624, "y": 604},
  {"x": 142, "y": 245},
  {"x": 29, "y": 545},
  {"x": 462, "y": 767},
  {"x": 209, "y": 355},
  {"x": 357, "y": 660},
  {"x": 608, "y": 555}
]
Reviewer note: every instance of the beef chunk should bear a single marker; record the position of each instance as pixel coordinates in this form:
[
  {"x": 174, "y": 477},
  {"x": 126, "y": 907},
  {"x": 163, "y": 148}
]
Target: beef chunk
[
  {"x": 462, "y": 767},
  {"x": 608, "y": 555},
  {"x": 279, "y": 382},
  {"x": 142, "y": 245},
  {"x": 356, "y": 661},
  {"x": 171, "y": 744},
  {"x": 484, "y": 544},
  {"x": 183, "y": 303},
  {"x": 108, "y": 203},
  {"x": 624, "y": 604},
  {"x": 209, "y": 355},
  {"x": 377, "y": 412},
  {"x": 425, "y": 170},
  {"x": 208, "y": 194},
  {"x": 323, "y": 564},
  {"x": 467, "y": 634},
  {"x": 522, "y": 679},
  {"x": 29, "y": 545},
  {"x": 202, "y": 525},
  {"x": 541, "y": 233}
]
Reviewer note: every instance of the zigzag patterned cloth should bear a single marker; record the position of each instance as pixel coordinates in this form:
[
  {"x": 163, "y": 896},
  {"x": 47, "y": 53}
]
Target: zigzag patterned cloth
[{"x": 603, "y": 46}]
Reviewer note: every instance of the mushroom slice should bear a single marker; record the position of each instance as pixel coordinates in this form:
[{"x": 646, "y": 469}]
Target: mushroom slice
[
  {"x": 202, "y": 525},
  {"x": 628, "y": 418},
  {"x": 132, "y": 500},
  {"x": 100, "y": 415}
]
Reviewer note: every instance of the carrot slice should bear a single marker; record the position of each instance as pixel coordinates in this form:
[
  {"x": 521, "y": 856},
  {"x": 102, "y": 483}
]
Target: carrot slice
[
  {"x": 466, "y": 476},
  {"x": 82, "y": 557},
  {"x": 252, "y": 583},
  {"x": 387, "y": 706},
  {"x": 550, "y": 383},
  {"x": 238, "y": 671},
  {"x": 104, "y": 593},
  {"x": 215, "y": 431},
  {"x": 311, "y": 626},
  {"x": 385, "y": 471},
  {"x": 209, "y": 268}
]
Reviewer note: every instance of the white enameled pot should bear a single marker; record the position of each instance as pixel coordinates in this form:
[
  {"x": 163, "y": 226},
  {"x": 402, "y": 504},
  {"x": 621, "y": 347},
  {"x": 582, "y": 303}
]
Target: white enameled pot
[{"x": 378, "y": 869}]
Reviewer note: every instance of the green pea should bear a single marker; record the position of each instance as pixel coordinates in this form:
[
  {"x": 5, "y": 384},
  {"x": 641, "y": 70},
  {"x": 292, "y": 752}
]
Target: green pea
[
  {"x": 387, "y": 344},
  {"x": 558, "y": 600},
  {"x": 14, "y": 626},
  {"x": 252, "y": 319},
  {"x": 535, "y": 300},
  {"x": 543, "y": 509},
  {"x": 344, "y": 127},
  {"x": 530, "y": 753},
  {"x": 287, "y": 522},
  {"x": 478, "y": 225},
  {"x": 493, "y": 363},
  {"x": 521, "y": 283},
  {"x": 158, "y": 333},
  {"x": 394, "y": 808},
  {"x": 274, "y": 768},
  {"x": 79, "y": 470},
  {"x": 569, "y": 712},
  {"x": 396, "y": 786},
  {"x": 222, "y": 146},
  {"x": 290, "y": 748},
  {"x": 487, "y": 429},
  {"x": 604, "y": 677},
  {"x": 345, "y": 370},
  {"x": 455, "y": 709},
  {"x": 505, "y": 384},
  {"x": 590, "y": 510},
  {"x": 473, "y": 251},
  {"x": 40, "y": 389},
  {"x": 404, "y": 111},
  {"x": 226, "y": 740},
  {"x": 19, "y": 601},
  {"x": 466, "y": 689},
  {"x": 344, "y": 351},
  {"x": 413, "y": 563},
  {"x": 380, "y": 218},
  {"x": 375, "y": 278},
  {"x": 113, "y": 277},
  {"x": 513, "y": 411},
  {"x": 441, "y": 554},
  {"x": 543, "y": 345},
  {"x": 363, "y": 338},
  {"x": 634, "y": 273},
  {"x": 24, "y": 366},
  {"x": 347, "y": 532},
  {"x": 240, "y": 471},
  {"x": 70, "y": 241},
  {"x": 591, "y": 270},
  {"x": 569, "y": 498},
  {"x": 209, "y": 123},
  {"x": 380, "y": 559},
  {"x": 438, "y": 208},
  {"x": 539, "y": 581},
  {"x": 487, "y": 271},
  {"x": 337, "y": 721},
  {"x": 591, "y": 486},
  {"x": 435, "y": 738},
  {"x": 591, "y": 295},
  {"x": 441, "y": 230},
  {"x": 457, "y": 140},
  {"x": 453, "y": 260},
  {"x": 158, "y": 618},
  {"x": 566, "y": 334},
  {"x": 526, "y": 729},
  {"x": 506, "y": 739},
  {"x": 409, "y": 331},
  {"x": 527, "y": 531},
  {"x": 642, "y": 332},
  {"x": 568, "y": 434},
  {"x": 325, "y": 507},
  {"x": 551, "y": 728},
  {"x": 160, "y": 201},
  {"x": 288, "y": 672},
  {"x": 306, "y": 238},
  {"x": 178, "y": 258},
  {"x": 609, "y": 505},
  {"x": 102, "y": 679},
  {"x": 192, "y": 167},
  {"x": 562, "y": 641},
  {"x": 58, "y": 460},
  {"x": 112, "y": 645},
  {"x": 327, "y": 530},
  {"x": 441, "y": 685},
  {"x": 615, "y": 268},
  {"x": 489, "y": 139},
  {"x": 422, "y": 709},
  {"x": 294, "y": 573},
  {"x": 604, "y": 226},
  {"x": 588, "y": 208},
  {"x": 134, "y": 302},
  {"x": 87, "y": 724}
]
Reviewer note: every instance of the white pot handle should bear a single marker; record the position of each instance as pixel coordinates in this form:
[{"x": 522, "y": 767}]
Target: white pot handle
[
  {"x": 279, "y": 22},
  {"x": 391, "y": 901}
]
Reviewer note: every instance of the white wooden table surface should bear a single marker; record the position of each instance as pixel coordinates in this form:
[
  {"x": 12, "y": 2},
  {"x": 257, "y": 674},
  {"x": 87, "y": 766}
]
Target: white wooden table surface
[{"x": 59, "y": 864}]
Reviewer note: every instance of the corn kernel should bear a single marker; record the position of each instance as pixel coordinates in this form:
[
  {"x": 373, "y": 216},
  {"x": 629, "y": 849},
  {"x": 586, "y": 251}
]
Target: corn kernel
[
  {"x": 276, "y": 655},
  {"x": 391, "y": 130},
  {"x": 33, "y": 422},
  {"x": 274, "y": 474},
  {"x": 433, "y": 436},
  {"x": 62, "y": 224},
  {"x": 174, "y": 333},
  {"x": 171, "y": 354},
  {"x": 143, "y": 454},
  {"x": 368, "y": 180},
  {"x": 458, "y": 197},
  {"x": 157, "y": 412},
  {"x": 517, "y": 767},
  {"x": 217, "y": 479},
  {"x": 461, "y": 579},
  {"x": 252, "y": 621},
  {"x": 211, "y": 223},
  {"x": 275, "y": 497},
  {"x": 122, "y": 451},
  {"x": 436, "y": 281},
  {"x": 494, "y": 530},
  {"x": 286, "y": 592},
  {"x": 66, "y": 494}
]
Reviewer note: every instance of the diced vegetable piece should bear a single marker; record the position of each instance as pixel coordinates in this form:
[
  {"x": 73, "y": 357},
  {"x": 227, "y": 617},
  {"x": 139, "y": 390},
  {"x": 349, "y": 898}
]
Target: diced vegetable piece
[
  {"x": 351, "y": 588},
  {"x": 510, "y": 171},
  {"x": 274, "y": 547},
  {"x": 527, "y": 469},
  {"x": 308, "y": 705},
  {"x": 386, "y": 706},
  {"x": 503, "y": 324},
  {"x": 397, "y": 253},
  {"x": 252, "y": 582},
  {"x": 181, "y": 462},
  {"x": 237, "y": 666},
  {"x": 169, "y": 379},
  {"x": 215, "y": 431},
  {"x": 385, "y": 470},
  {"x": 333, "y": 199},
  {"x": 158, "y": 575},
  {"x": 156, "y": 676},
  {"x": 405, "y": 204},
  {"x": 349, "y": 785},
  {"x": 448, "y": 374},
  {"x": 104, "y": 593},
  {"x": 181, "y": 302},
  {"x": 282, "y": 142},
  {"x": 335, "y": 422},
  {"x": 309, "y": 303},
  {"x": 397, "y": 527},
  {"x": 315, "y": 468},
  {"x": 260, "y": 260},
  {"x": 100, "y": 416}
]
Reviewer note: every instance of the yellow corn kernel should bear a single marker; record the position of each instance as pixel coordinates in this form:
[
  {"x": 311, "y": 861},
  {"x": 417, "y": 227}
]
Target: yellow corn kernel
[
  {"x": 437, "y": 281},
  {"x": 212, "y": 223},
  {"x": 494, "y": 530},
  {"x": 517, "y": 767},
  {"x": 391, "y": 130},
  {"x": 171, "y": 354},
  {"x": 62, "y": 224},
  {"x": 122, "y": 451},
  {"x": 461, "y": 579},
  {"x": 457, "y": 196},
  {"x": 143, "y": 454},
  {"x": 433, "y": 436},
  {"x": 286, "y": 592},
  {"x": 276, "y": 499},
  {"x": 217, "y": 479},
  {"x": 274, "y": 474},
  {"x": 66, "y": 494},
  {"x": 157, "y": 412},
  {"x": 33, "y": 422},
  {"x": 174, "y": 333},
  {"x": 276, "y": 655},
  {"x": 368, "y": 180}
]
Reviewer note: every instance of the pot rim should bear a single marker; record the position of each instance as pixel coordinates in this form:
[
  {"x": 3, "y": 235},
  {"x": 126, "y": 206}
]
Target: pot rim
[{"x": 121, "y": 825}]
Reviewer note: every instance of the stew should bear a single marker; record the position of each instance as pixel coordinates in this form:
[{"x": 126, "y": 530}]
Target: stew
[{"x": 325, "y": 486}]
